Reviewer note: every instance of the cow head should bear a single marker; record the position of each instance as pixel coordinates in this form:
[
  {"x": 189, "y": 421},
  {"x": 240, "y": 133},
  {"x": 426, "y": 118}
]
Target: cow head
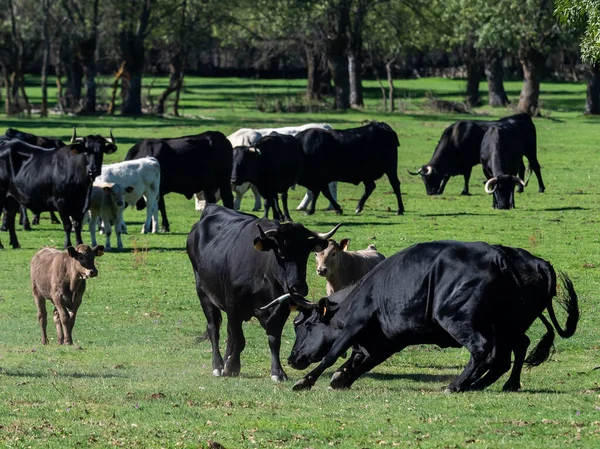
[
  {"x": 431, "y": 178},
  {"x": 246, "y": 162},
  {"x": 291, "y": 243},
  {"x": 84, "y": 259},
  {"x": 503, "y": 189},
  {"x": 328, "y": 259},
  {"x": 93, "y": 149},
  {"x": 116, "y": 192},
  {"x": 315, "y": 333}
]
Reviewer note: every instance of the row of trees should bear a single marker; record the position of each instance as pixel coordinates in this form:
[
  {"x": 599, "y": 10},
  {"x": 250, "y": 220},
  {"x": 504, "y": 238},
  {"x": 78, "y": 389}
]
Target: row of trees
[{"x": 336, "y": 43}]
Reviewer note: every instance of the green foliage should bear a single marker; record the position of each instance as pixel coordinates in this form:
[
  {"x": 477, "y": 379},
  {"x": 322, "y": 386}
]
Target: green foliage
[
  {"x": 585, "y": 15},
  {"x": 141, "y": 378}
]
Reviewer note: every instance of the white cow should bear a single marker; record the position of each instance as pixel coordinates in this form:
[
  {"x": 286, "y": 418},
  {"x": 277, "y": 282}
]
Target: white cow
[
  {"x": 144, "y": 176},
  {"x": 247, "y": 137},
  {"x": 107, "y": 203}
]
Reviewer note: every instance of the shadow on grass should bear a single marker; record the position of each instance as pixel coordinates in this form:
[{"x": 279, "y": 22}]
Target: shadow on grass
[
  {"x": 71, "y": 375},
  {"x": 438, "y": 378},
  {"x": 560, "y": 209},
  {"x": 457, "y": 214}
]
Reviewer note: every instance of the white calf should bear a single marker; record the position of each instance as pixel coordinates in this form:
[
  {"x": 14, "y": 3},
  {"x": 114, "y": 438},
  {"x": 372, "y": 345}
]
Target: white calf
[
  {"x": 107, "y": 203},
  {"x": 144, "y": 176},
  {"x": 247, "y": 137}
]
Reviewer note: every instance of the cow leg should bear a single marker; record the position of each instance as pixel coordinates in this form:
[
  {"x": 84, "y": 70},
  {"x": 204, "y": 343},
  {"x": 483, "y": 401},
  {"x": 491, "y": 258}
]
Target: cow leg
[
  {"x": 53, "y": 218},
  {"x": 333, "y": 190},
  {"x": 273, "y": 324},
  {"x": 369, "y": 187},
  {"x": 327, "y": 194},
  {"x": 107, "y": 232},
  {"x": 480, "y": 348},
  {"x": 286, "y": 211},
  {"x": 236, "y": 342},
  {"x": 3, "y": 227},
  {"x": 25, "y": 219},
  {"x": 499, "y": 363},
  {"x": 213, "y": 326},
  {"x": 535, "y": 166},
  {"x": 395, "y": 183},
  {"x": 42, "y": 315},
  {"x": 239, "y": 194},
  {"x": 521, "y": 173},
  {"x": 92, "y": 228},
  {"x": 64, "y": 320},
  {"x": 67, "y": 227},
  {"x": 308, "y": 196},
  {"x": 467, "y": 176},
  {"x": 277, "y": 209},
  {"x": 163, "y": 213},
  {"x": 11, "y": 212},
  {"x": 520, "y": 350},
  {"x": 77, "y": 225},
  {"x": 313, "y": 204},
  {"x": 59, "y": 328},
  {"x": 36, "y": 219}
]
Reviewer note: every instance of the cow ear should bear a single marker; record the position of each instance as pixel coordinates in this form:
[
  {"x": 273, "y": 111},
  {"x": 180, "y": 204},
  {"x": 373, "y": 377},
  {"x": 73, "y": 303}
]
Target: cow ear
[
  {"x": 344, "y": 243},
  {"x": 317, "y": 245},
  {"x": 72, "y": 252},
  {"x": 129, "y": 189},
  {"x": 324, "y": 308},
  {"x": 263, "y": 244},
  {"x": 77, "y": 148},
  {"x": 98, "y": 250}
]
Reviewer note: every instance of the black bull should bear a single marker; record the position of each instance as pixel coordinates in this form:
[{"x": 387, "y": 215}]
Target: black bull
[
  {"x": 459, "y": 150},
  {"x": 240, "y": 264},
  {"x": 446, "y": 293}
]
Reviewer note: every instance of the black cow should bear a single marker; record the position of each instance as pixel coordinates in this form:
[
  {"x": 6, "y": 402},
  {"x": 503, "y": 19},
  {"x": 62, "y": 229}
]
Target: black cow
[
  {"x": 446, "y": 293},
  {"x": 38, "y": 141},
  {"x": 354, "y": 155},
  {"x": 189, "y": 164},
  {"x": 241, "y": 263},
  {"x": 458, "y": 151},
  {"x": 500, "y": 158},
  {"x": 273, "y": 165},
  {"x": 32, "y": 139},
  {"x": 46, "y": 180}
]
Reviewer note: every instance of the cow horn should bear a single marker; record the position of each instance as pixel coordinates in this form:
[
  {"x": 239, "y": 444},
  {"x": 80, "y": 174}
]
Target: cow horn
[
  {"x": 519, "y": 180},
  {"x": 111, "y": 139},
  {"x": 254, "y": 150},
  {"x": 268, "y": 233},
  {"x": 327, "y": 235},
  {"x": 414, "y": 173},
  {"x": 278, "y": 300},
  {"x": 488, "y": 185},
  {"x": 74, "y": 136}
]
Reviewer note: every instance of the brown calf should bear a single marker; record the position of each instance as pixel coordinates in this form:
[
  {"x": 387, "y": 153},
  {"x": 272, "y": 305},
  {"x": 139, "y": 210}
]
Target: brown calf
[
  {"x": 342, "y": 267},
  {"x": 59, "y": 276}
]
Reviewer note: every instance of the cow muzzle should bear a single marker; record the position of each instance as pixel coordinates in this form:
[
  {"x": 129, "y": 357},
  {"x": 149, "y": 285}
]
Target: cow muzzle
[
  {"x": 322, "y": 271},
  {"x": 87, "y": 274},
  {"x": 299, "y": 364}
]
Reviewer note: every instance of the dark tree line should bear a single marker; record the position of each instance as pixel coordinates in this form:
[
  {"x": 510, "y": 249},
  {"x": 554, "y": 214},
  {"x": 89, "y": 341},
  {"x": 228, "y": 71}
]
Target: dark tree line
[{"x": 334, "y": 43}]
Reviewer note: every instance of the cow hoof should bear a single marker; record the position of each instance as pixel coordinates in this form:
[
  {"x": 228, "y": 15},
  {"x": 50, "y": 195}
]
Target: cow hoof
[
  {"x": 511, "y": 386},
  {"x": 26, "y": 227},
  {"x": 400, "y": 212},
  {"x": 339, "y": 381},
  {"x": 541, "y": 190},
  {"x": 256, "y": 209},
  {"x": 310, "y": 212},
  {"x": 463, "y": 193},
  {"x": 36, "y": 221},
  {"x": 303, "y": 384},
  {"x": 279, "y": 377},
  {"x": 217, "y": 372},
  {"x": 302, "y": 208}
]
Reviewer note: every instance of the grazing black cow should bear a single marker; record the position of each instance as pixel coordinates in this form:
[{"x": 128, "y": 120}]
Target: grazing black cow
[
  {"x": 46, "y": 180},
  {"x": 500, "y": 159},
  {"x": 446, "y": 293},
  {"x": 188, "y": 165},
  {"x": 241, "y": 263},
  {"x": 354, "y": 155},
  {"x": 458, "y": 151},
  {"x": 273, "y": 164},
  {"x": 38, "y": 141}
]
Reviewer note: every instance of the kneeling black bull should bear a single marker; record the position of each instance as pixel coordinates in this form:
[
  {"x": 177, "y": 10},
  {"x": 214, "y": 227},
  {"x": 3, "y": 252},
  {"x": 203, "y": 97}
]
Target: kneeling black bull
[{"x": 446, "y": 293}]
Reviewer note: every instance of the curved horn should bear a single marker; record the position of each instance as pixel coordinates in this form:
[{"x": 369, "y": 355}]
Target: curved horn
[
  {"x": 327, "y": 235},
  {"x": 488, "y": 185},
  {"x": 276, "y": 301},
  {"x": 254, "y": 150},
  {"x": 519, "y": 180},
  {"x": 74, "y": 136},
  {"x": 414, "y": 173},
  {"x": 270, "y": 232},
  {"x": 111, "y": 139}
]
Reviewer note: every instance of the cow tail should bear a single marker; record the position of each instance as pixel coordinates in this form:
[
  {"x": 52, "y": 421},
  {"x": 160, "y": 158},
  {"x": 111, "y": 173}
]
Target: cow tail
[
  {"x": 567, "y": 298},
  {"x": 544, "y": 348}
]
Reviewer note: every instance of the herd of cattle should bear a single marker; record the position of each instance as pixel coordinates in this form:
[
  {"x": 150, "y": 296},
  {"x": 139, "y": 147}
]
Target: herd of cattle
[{"x": 452, "y": 294}]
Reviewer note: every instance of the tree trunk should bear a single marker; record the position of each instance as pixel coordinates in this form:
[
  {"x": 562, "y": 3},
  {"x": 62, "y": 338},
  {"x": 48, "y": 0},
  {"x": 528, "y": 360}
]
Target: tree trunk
[
  {"x": 338, "y": 67},
  {"x": 45, "y": 58},
  {"x": 337, "y": 48},
  {"x": 533, "y": 65},
  {"x": 113, "y": 96},
  {"x": 389, "y": 66},
  {"x": 473, "y": 77},
  {"x": 178, "y": 93},
  {"x": 355, "y": 79},
  {"x": 174, "y": 77},
  {"x": 495, "y": 78},
  {"x": 87, "y": 54},
  {"x": 592, "y": 99},
  {"x": 319, "y": 79}
]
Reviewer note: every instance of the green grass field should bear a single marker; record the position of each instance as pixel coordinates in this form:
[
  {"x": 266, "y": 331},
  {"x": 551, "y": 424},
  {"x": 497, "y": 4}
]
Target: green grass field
[{"x": 142, "y": 378}]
